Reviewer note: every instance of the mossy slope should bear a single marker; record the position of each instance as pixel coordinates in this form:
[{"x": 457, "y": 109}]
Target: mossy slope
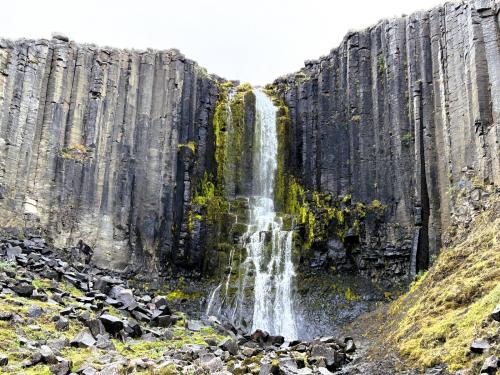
[{"x": 448, "y": 307}]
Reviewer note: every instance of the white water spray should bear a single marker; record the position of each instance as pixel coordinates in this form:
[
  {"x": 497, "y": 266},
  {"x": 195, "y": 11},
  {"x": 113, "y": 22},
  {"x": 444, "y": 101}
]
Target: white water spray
[{"x": 268, "y": 246}]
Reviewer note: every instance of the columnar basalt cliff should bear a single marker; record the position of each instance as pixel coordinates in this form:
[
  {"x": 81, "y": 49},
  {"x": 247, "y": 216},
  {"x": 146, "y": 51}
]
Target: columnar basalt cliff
[
  {"x": 132, "y": 152},
  {"x": 99, "y": 144},
  {"x": 405, "y": 114}
]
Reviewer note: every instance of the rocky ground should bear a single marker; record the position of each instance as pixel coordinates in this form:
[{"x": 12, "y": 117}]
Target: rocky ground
[{"x": 60, "y": 316}]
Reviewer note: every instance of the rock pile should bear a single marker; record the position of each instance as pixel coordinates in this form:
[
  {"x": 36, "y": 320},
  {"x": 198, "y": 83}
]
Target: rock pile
[{"x": 65, "y": 317}]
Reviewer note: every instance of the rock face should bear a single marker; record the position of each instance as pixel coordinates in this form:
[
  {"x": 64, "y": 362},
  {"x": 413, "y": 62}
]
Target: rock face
[
  {"x": 106, "y": 145},
  {"x": 405, "y": 113},
  {"x": 98, "y": 144}
]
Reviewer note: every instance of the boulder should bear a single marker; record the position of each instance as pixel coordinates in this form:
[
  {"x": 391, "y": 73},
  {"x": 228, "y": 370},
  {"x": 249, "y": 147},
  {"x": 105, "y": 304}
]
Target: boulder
[
  {"x": 164, "y": 321},
  {"x": 83, "y": 339},
  {"x": 275, "y": 340},
  {"x": 478, "y": 346},
  {"x": 5, "y": 316},
  {"x": 490, "y": 365},
  {"x": 40, "y": 295},
  {"x": 13, "y": 253},
  {"x": 229, "y": 345},
  {"x": 48, "y": 355},
  {"x": 350, "y": 346},
  {"x": 58, "y": 344},
  {"x": 195, "y": 325},
  {"x": 324, "y": 371},
  {"x": 103, "y": 342},
  {"x": 34, "y": 311},
  {"x": 123, "y": 295},
  {"x": 62, "y": 367},
  {"x": 4, "y": 360},
  {"x": 60, "y": 36},
  {"x": 259, "y": 336},
  {"x": 133, "y": 329},
  {"x": 495, "y": 315},
  {"x": 96, "y": 327},
  {"x": 23, "y": 289},
  {"x": 62, "y": 324},
  {"x": 269, "y": 368},
  {"x": 214, "y": 365},
  {"x": 112, "y": 324},
  {"x": 333, "y": 359}
]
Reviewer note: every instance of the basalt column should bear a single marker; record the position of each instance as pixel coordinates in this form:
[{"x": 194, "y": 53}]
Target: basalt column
[
  {"x": 404, "y": 114},
  {"x": 99, "y": 144}
]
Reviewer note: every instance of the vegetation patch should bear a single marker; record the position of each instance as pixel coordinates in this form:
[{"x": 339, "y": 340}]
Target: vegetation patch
[
  {"x": 77, "y": 152},
  {"x": 447, "y": 308}
]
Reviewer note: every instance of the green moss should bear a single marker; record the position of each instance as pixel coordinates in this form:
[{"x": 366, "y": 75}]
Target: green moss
[
  {"x": 76, "y": 152},
  {"x": 7, "y": 266},
  {"x": 37, "y": 370},
  {"x": 179, "y": 294},
  {"x": 207, "y": 196},
  {"x": 406, "y": 139},
  {"x": 220, "y": 125},
  {"x": 78, "y": 356},
  {"x": 377, "y": 208},
  {"x": 41, "y": 283},
  {"x": 41, "y": 328},
  {"x": 170, "y": 369},
  {"x": 447, "y": 308},
  {"x": 191, "y": 145},
  {"x": 381, "y": 63},
  {"x": 350, "y": 295}
]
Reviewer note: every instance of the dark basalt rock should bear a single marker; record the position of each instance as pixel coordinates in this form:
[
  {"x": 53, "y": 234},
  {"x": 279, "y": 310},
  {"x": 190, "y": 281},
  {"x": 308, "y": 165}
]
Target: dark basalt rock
[
  {"x": 490, "y": 365},
  {"x": 112, "y": 324},
  {"x": 229, "y": 345},
  {"x": 132, "y": 328},
  {"x": 235, "y": 350},
  {"x": 495, "y": 315},
  {"x": 5, "y": 316},
  {"x": 83, "y": 339},
  {"x": 23, "y": 289},
  {"x": 479, "y": 346}
]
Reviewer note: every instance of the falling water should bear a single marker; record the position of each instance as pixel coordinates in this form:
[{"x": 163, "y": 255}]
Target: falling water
[{"x": 268, "y": 246}]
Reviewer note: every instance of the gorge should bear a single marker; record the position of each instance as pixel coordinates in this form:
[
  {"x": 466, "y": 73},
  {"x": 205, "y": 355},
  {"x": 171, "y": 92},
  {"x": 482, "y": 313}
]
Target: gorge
[{"x": 293, "y": 208}]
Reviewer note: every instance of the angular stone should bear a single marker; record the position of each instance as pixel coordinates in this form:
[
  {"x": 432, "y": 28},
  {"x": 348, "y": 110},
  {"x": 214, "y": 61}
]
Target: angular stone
[
  {"x": 62, "y": 367},
  {"x": 479, "y": 345},
  {"x": 495, "y": 315},
  {"x": 103, "y": 342},
  {"x": 133, "y": 329},
  {"x": 111, "y": 323},
  {"x": 48, "y": 355},
  {"x": 229, "y": 345},
  {"x": 83, "y": 339},
  {"x": 62, "y": 324},
  {"x": 5, "y": 316},
  {"x": 23, "y": 289},
  {"x": 96, "y": 327},
  {"x": 490, "y": 365},
  {"x": 13, "y": 253},
  {"x": 34, "y": 311}
]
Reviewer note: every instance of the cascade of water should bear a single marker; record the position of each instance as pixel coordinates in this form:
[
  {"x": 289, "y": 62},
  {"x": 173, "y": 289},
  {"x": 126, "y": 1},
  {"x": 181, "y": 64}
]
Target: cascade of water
[{"x": 268, "y": 246}]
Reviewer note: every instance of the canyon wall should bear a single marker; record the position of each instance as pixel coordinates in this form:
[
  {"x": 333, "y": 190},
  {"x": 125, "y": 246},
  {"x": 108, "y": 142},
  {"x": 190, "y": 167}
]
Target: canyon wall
[
  {"x": 405, "y": 114},
  {"x": 121, "y": 149},
  {"x": 99, "y": 144}
]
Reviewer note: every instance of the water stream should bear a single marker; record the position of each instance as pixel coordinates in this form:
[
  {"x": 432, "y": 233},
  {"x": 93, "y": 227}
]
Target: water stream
[{"x": 268, "y": 263}]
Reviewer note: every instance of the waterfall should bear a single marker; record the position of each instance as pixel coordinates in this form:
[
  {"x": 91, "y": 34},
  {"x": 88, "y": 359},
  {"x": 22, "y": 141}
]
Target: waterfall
[{"x": 268, "y": 261}]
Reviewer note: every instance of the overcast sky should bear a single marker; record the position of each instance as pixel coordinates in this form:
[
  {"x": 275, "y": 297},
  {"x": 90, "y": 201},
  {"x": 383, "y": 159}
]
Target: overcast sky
[{"x": 253, "y": 41}]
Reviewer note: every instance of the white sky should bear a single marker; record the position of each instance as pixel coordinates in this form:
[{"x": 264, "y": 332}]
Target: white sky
[{"x": 253, "y": 41}]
